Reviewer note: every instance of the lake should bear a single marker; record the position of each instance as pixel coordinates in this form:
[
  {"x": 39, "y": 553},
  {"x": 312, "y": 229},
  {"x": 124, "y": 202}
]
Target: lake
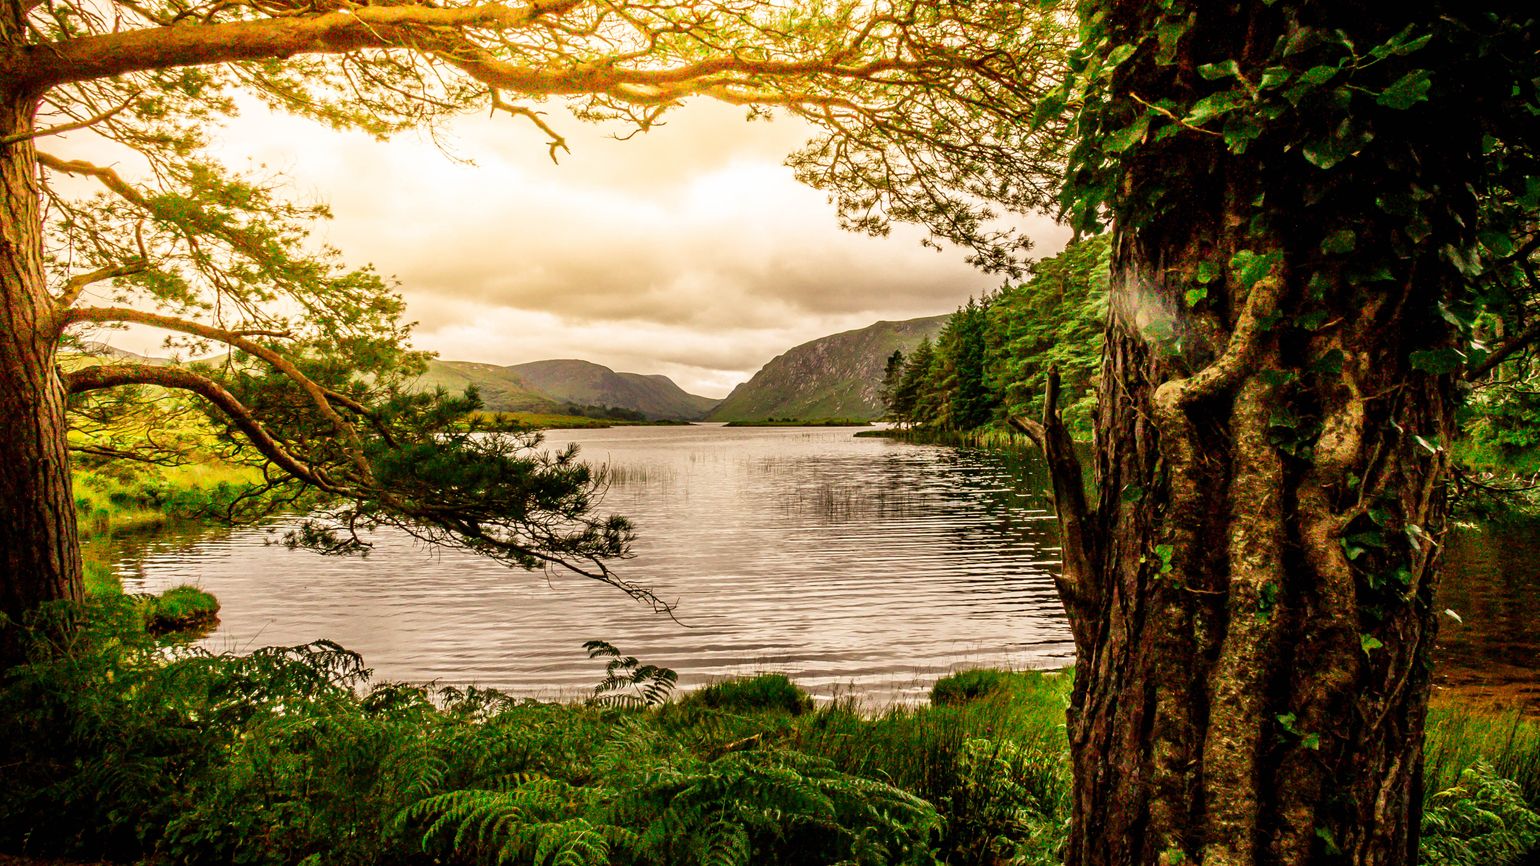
[{"x": 860, "y": 566}]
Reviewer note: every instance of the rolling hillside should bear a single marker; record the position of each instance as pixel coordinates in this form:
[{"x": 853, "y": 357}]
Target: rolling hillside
[
  {"x": 547, "y": 386},
  {"x": 590, "y": 384},
  {"x": 838, "y": 376}
]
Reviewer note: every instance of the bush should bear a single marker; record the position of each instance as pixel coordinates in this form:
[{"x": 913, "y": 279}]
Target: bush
[
  {"x": 764, "y": 693},
  {"x": 964, "y": 686}
]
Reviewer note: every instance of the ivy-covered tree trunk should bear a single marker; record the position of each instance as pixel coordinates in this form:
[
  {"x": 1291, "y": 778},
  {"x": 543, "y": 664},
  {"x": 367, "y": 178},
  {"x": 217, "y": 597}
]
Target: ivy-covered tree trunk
[
  {"x": 39, "y": 547},
  {"x": 1292, "y": 189}
]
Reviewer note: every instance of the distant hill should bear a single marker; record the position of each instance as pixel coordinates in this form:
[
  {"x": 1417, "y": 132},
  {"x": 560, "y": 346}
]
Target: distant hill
[
  {"x": 589, "y": 384},
  {"x": 548, "y": 386},
  {"x": 501, "y": 390},
  {"x": 838, "y": 376}
]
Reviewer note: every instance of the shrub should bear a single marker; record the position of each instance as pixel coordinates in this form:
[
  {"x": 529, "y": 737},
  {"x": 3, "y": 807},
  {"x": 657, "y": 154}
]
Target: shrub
[
  {"x": 965, "y": 686},
  {"x": 763, "y": 693}
]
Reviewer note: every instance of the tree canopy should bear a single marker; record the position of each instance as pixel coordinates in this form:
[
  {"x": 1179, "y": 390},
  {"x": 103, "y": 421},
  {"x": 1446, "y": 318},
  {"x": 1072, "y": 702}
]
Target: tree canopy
[{"x": 116, "y": 213}]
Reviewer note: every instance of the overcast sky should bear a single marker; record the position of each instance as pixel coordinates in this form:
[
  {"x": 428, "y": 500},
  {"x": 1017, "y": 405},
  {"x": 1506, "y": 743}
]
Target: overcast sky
[{"x": 689, "y": 251}]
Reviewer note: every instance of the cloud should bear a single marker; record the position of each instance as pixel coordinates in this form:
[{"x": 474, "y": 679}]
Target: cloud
[{"x": 689, "y": 251}]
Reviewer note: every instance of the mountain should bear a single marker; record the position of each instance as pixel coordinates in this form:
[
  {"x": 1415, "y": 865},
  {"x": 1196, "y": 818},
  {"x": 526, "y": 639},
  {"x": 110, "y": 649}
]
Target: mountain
[
  {"x": 501, "y": 390},
  {"x": 589, "y": 384},
  {"x": 547, "y": 386},
  {"x": 838, "y": 376}
]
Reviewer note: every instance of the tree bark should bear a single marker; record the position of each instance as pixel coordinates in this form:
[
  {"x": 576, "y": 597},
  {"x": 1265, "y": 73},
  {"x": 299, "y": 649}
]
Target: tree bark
[
  {"x": 39, "y": 546},
  {"x": 1250, "y": 695},
  {"x": 1270, "y": 487}
]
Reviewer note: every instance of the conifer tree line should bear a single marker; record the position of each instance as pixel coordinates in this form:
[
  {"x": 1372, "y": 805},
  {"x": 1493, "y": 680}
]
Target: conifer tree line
[{"x": 992, "y": 358}]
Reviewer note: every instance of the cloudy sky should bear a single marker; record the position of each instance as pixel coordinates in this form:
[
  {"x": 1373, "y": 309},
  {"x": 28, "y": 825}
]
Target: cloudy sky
[{"x": 689, "y": 251}]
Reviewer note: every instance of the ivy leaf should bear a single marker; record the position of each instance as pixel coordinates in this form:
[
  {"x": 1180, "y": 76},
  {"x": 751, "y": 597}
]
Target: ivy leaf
[
  {"x": 1407, "y": 91},
  {"x": 1240, "y": 132},
  {"x": 1196, "y": 296},
  {"x": 1128, "y": 136},
  {"x": 1216, "y": 71},
  {"x": 1437, "y": 361},
  {"x": 1215, "y": 105},
  {"x": 1326, "y": 152},
  {"x": 1368, "y": 643},
  {"x": 1250, "y": 267},
  {"x": 1116, "y": 56},
  {"x": 1273, "y": 76},
  {"x": 1301, "y": 40},
  {"x": 1339, "y": 242}
]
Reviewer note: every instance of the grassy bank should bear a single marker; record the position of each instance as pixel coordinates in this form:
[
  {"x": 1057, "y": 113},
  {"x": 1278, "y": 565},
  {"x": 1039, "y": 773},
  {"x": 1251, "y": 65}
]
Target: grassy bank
[
  {"x": 796, "y": 422},
  {"x": 518, "y": 422},
  {"x": 292, "y": 756}
]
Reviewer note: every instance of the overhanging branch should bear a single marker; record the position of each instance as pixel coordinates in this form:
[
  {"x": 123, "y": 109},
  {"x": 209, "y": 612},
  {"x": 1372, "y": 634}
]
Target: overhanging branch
[{"x": 105, "y": 376}]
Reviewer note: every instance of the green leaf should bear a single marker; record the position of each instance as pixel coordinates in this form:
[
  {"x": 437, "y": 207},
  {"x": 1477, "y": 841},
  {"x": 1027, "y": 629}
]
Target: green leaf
[
  {"x": 1340, "y": 242},
  {"x": 1315, "y": 76},
  {"x": 1216, "y": 71},
  {"x": 1273, "y": 76},
  {"x": 1240, "y": 132},
  {"x": 1215, "y": 105},
  {"x": 1368, "y": 643},
  {"x": 1249, "y": 267},
  {"x": 1208, "y": 272},
  {"x": 1195, "y": 296},
  {"x": 1128, "y": 136},
  {"x": 1437, "y": 361},
  {"x": 1329, "y": 363},
  {"x": 1326, "y": 152},
  {"x": 1407, "y": 91},
  {"x": 1116, "y": 56}
]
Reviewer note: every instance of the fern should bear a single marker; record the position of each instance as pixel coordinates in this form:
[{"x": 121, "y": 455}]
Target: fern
[
  {"x": 1482, "y": 821},
  {"x": 627, "y": 682}
]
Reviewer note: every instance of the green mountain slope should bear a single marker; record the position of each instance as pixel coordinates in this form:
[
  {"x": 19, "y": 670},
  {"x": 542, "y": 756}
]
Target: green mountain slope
[
  {"x": 838, "y": 376},
  {"x": 589, "y": 384},
  {"x": 500, "y": 390},
  {"x": 547, "y": 386}
]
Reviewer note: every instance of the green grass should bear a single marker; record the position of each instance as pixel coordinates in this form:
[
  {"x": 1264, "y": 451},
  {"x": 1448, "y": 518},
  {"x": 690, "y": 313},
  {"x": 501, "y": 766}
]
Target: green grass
[
  {"x": 1458, "y": 739},
  {"x": 764, "y": 693},
  {"x": 111, "y": 505},
  {"x": 180, "y": 609}
]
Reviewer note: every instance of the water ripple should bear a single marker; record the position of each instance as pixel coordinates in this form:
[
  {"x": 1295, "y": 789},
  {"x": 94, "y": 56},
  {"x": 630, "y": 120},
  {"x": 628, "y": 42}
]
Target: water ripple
[{"x": 858, "y": 566}]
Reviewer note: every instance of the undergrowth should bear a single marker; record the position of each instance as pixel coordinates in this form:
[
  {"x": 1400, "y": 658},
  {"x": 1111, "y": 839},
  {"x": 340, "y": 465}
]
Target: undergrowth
[{"x": 117, "y": 745}]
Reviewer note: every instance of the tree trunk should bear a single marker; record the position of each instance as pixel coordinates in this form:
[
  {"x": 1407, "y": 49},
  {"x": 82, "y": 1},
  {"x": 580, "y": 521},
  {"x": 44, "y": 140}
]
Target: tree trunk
[
  {"x": 1250, "y": 692},
  {"x": 1253, "y": 601},
  {"x": 39, "y": 546}
]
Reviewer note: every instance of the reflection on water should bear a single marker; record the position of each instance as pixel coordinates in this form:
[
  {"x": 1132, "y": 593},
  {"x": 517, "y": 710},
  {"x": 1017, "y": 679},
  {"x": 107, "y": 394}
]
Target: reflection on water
[
  {"x": 855, "y": 564},
  {"x": 858, "y": 565},
  {"x": 1492, "y": 583}
]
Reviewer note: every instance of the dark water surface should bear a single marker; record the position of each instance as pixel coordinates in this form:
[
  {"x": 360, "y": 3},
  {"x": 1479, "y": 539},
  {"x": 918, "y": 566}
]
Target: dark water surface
[{"x": 854, "y": 564}]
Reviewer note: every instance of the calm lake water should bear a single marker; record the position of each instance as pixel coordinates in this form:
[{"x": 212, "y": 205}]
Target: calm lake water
[{"x": 857, "y": 565}]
